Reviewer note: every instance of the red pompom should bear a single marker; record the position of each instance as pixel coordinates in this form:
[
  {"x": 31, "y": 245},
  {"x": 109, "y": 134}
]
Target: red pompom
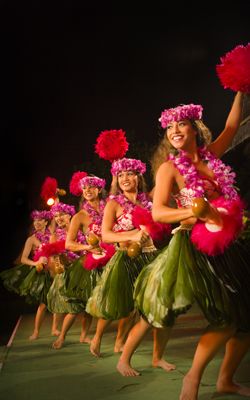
[
  {"x": 157, "y": 230},
  {"x": 111, "y": 145},
  {"x": 74, "y": 183},
  {"x": 234, "y": 70},
  {"x": 215, "y": 242},
  {"x": 50, "y": 249},
  {"x": 49, "y": 188},
  {"x": 93, "y": 261}
]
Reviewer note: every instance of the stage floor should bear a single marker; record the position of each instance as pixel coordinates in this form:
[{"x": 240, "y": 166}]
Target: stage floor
[{"x": 32, "y": 370}]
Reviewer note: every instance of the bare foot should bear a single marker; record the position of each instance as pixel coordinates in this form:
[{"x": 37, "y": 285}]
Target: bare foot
[
  {"x": 95, "y": 347},
  {"x": 84, "y": 339},
  {"x": 58, "y": 344},
  {"x": 55, "y": 332},
  {"x": 34, "y": 336},
  {"x": 232, "y": 387},
  {"x": 189, "y": 389},
  {"x": 118, "y": 347},
  {"x": 164, "y": 365},
  {"x": 126, "y": 370}
]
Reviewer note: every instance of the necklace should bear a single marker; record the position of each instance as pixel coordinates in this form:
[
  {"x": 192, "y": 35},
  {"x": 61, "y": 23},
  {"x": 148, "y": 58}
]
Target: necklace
[
  {"x": 43, "y": 237},
  {"x": 128, "y": 205},
  {"x": 224, "y": 176},
  {"x": 96, "y": 216}
]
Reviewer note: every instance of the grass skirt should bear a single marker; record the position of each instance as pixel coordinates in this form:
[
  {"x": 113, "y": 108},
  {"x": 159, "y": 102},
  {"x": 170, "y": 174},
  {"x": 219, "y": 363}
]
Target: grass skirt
[
  {"x": 13, "y": 277},
  {"x": 80, "y": 282},
  {"x": 58, "y": 302},
  {"x": 181, "y": 275},
  {"x": 112, "y": 298},
  {"x": 35, "y": 286}
]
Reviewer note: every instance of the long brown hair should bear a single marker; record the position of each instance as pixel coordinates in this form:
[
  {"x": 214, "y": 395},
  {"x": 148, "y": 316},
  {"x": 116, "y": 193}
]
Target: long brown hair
[{"x": 164, "y": 147}]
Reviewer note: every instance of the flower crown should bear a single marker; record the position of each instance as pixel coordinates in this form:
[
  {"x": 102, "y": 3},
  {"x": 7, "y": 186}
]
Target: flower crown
[
  {"x": 185, "y": 111},
  {"x": 92, "y": 181},
  {"x": 128, "y": 164},
  {"x": 62, "y": 207},
  {"x": 41, "y": 214}
]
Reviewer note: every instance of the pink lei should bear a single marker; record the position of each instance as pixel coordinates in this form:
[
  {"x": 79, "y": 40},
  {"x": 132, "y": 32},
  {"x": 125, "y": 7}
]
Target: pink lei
[
  {"x": 43, "y": 237},
  {"x": 210, "y": 238},
  {"x": 224, "y": 176},
  {"x": 128, "y": 206},
  {"x": 96, "y": 216}
]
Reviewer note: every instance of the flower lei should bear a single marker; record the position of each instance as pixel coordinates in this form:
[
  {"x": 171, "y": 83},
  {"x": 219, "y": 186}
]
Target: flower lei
[
  {"x": 129, "y": 205},
  {"x": 43, "y": 237},
  {"x": 224, "y": 176},
  {"x": 96, "y": 216}
]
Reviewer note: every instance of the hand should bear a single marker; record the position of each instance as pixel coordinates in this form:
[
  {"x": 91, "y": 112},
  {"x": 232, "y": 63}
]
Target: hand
[
  {"x": 141, "y": 236},
  {"x": 42, "y": 260}
]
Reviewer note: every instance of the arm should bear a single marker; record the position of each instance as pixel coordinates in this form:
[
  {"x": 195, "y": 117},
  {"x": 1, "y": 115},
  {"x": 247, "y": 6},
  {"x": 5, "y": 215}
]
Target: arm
[
  {"x": 224, "y": 140},
  {"x": 161, "y": 212},
  {"x": 30, "y": 243},
  {"x": 78, "y": 220},
  {"x": 109, "y": 218}
]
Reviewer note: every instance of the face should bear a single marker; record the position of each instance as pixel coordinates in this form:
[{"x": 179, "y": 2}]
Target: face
[
  {"x": 40, "y": 224},
  {"x": 62, "y": 219},
  {"x": 90, "y": 193},
  {"x": 128, "y": 181},
  {"x": 181, "y": 134}
]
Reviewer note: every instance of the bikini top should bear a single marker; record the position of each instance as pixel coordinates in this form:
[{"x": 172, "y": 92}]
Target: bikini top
[
  {"x": 184, "y": 198},
  {"x": 123, "y": 223}
]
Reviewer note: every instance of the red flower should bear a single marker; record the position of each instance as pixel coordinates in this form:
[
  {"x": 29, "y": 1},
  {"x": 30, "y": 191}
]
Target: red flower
[{"x": 111, "y": 144}]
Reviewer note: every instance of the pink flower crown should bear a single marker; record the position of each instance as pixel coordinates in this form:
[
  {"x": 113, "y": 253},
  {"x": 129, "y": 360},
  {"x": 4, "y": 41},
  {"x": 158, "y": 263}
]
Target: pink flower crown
[
  {"x": 62, "y": 207},
  {"x": 128, "y": 164},
  {"x": 41, "y": 214},
  {"x": 185, "y": 111},
  {"x": 92, "y": 181}
]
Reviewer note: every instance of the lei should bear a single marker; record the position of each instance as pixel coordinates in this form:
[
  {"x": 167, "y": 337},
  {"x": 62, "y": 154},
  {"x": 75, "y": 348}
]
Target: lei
[
  {"x": 43, "y": 237},
  {"x": 129, "y": 205},
  {"x": 224, "y": 176},
  {"x": 96, "y": 216}
]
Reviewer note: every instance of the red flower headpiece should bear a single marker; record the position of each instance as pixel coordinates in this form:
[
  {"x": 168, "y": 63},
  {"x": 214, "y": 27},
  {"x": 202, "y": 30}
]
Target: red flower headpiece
[
  {"x": 74, "y": 185},
  {"x": 234, "y": 70},
  {"x": 111, "y": 144},
  {"x": 49, "y": 188}
]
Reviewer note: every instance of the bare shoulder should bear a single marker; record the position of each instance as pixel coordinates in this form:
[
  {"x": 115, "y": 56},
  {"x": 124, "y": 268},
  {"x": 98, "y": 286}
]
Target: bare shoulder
[{"x": 166, "y": 168}]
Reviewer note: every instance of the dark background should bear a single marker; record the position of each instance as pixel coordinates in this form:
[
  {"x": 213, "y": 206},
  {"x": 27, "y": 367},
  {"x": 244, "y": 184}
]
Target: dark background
[{"x": 69, "y": 72}]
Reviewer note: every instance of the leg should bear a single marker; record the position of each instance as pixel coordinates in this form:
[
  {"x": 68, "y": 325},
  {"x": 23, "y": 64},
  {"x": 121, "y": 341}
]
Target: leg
[
  {"x": 67, "y": 323},
  {"x": 86, "y": 323},
  {"x": 161, "y": 337},
  {"x": 95, "y": 344},
  {"x": 55, "y": 323},
  {"x": 134, "y": 339},
  {"x": 38, "y": 321},
  {"x": 209, "y": 344},
  {"x": 236, "y": 348},
  {"x": 124, "y": 326}
]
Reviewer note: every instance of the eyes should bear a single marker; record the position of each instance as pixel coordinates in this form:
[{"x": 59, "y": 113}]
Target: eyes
[
  {"x": 125, "y": 174},
  {"x": 178, "y": 124},
  {"x": 89, "y": 187}
]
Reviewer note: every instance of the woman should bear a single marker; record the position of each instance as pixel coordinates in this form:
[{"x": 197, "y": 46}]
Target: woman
[
  {"x": 113, "y": 296},
  {"x": 81, "y": 277},
  {"x": 30, "y": 282},
  {"x": 59, "y": 260},
  {"x": 191, "y": 268}
]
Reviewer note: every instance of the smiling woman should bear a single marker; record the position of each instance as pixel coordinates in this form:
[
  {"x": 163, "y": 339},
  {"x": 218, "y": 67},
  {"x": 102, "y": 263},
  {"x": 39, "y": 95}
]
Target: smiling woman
[{"x": 205, "y": 247}]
